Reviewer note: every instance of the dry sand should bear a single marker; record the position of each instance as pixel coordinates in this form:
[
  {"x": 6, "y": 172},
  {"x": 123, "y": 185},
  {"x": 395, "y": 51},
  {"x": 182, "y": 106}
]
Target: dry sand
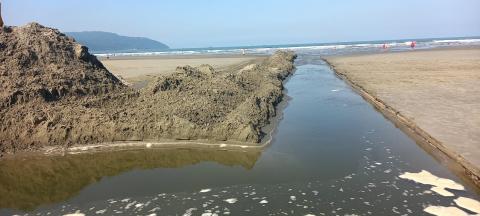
[
  {"x": 57, "y": 94},
  {"x": 139, "y": 68},
  {"x": 437, "y": 91}
]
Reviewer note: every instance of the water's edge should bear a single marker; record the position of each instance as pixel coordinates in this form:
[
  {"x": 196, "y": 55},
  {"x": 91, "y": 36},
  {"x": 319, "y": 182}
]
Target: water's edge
[{"x": 447, "y": 157}]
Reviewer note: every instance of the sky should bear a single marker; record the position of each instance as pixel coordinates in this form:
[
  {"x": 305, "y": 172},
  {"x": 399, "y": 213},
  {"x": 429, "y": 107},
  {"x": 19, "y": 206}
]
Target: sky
[{"x": 217, "y": 23}]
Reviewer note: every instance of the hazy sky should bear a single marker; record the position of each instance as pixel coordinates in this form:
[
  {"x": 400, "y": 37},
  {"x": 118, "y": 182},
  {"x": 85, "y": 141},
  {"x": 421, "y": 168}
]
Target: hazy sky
[{"x": 204, "y": 23}]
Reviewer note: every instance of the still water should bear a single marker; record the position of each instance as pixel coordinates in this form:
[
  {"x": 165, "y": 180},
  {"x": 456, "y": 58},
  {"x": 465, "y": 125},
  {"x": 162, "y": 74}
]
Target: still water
[{"x": 332, "y": 154}]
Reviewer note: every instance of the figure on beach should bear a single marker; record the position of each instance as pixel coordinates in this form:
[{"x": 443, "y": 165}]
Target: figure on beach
[
  {"x": 1, "y": 20},
  {"x": 413, "y": 44}
]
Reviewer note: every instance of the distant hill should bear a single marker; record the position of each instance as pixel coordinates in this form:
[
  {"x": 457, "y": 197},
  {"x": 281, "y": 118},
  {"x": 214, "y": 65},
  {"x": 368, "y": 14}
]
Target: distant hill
[{"x": 98, "y": 41}]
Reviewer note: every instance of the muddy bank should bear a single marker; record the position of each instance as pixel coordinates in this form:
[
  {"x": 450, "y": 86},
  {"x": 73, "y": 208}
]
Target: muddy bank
[
  {"x": 424, "y": 94},
  {"x": 57, "y": 94}
]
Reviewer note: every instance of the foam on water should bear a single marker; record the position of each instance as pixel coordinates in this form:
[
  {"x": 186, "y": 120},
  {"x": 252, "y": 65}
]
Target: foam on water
[
  {"x": 445, "y": 211},
  {"x": 231, "y": 200},
  {"x": 439, "y": 184},
  {"x": 353, "y": 194},
  {"x": 77, "y": 213},
  {"x": 468, "y": 203},
  {"x": 458, "y": 41}
]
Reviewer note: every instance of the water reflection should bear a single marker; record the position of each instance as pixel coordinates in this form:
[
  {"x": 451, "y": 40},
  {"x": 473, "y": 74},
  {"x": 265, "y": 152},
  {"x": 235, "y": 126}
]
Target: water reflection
[
  {"x": 333, "y": 154},
  {"x": 28, "y": 183}
]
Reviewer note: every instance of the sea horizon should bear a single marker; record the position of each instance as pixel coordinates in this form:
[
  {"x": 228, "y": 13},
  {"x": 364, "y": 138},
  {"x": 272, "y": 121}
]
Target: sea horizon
[{"x": 329, "y": 48}]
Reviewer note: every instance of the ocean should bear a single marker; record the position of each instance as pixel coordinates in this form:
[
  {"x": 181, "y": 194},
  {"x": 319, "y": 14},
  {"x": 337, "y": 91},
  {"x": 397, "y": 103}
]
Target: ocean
[{"x": 324, "y": 49}]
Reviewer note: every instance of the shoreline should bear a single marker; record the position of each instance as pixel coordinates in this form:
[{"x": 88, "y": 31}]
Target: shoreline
[
  {"x": 458, "y": 47},
  {"x": 134, "y": 145},
  {"x": 432, "y": 145}
]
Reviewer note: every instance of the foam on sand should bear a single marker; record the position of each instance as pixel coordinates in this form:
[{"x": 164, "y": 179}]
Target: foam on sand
[
  {"x": 439, "y": 184},
  {"x": 467, "y": 203}
]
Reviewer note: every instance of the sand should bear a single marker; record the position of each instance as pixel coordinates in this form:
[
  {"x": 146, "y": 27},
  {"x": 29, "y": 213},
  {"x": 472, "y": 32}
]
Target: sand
[
  {"x": 436, "y": 93},
  {"x": 138, "y": 68},
  {"x": 56, "y": 94}
]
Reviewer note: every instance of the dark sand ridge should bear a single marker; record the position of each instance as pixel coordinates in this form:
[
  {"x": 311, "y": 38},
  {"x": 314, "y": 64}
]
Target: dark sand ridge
[
  {"x": 434, "y": 95},
  {"x": 57, "y": 94}
]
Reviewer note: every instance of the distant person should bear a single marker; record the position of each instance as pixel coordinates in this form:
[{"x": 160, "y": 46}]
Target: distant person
[
  {"x": 243, "y": 51},
  {"x": 413, "y": 44},
  {"x": 385, "y": 46},
  {"x": 1, "y": 20}
]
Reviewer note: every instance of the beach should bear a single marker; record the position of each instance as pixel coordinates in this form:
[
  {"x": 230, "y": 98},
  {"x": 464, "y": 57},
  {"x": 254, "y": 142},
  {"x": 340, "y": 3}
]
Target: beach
[
  {"x": 434, "y": 93},
  {"x": 239, "y": 108},
  {"x": 329, "y": 143},
  {"x": 139, "y": 68},
  {"x": 273, "y": 127}
]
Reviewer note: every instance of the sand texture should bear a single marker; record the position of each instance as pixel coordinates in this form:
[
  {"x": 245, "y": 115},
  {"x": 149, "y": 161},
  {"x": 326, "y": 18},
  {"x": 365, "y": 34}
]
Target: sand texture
[
  {"x": 134, "y": 69},
  {"x": 57, "y": 94},
  {"x": 437, "y": 90},
  {"x": 42, "y": 63}
]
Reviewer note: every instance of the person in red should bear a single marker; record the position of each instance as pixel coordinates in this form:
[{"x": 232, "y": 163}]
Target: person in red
[{"x": 413, "y": 44}]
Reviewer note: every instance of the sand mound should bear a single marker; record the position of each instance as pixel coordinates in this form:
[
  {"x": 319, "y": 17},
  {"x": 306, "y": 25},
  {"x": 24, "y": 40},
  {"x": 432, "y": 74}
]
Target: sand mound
[
  {"x": 223, "y": 105},
  {"x": 57, "y": 94},
  {"x": 42, "y": 63}
]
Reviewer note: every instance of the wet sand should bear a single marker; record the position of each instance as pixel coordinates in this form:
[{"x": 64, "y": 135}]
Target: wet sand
[
  {"x": 140, "y": 68},
  {"x": 435, "y": 93}
]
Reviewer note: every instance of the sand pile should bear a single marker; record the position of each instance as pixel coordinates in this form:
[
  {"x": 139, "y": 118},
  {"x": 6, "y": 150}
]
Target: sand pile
[
  {"x": 54, "y": 93},
  {"x": 42, "y": 63},
  {"x": 229, "y": 104}
]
